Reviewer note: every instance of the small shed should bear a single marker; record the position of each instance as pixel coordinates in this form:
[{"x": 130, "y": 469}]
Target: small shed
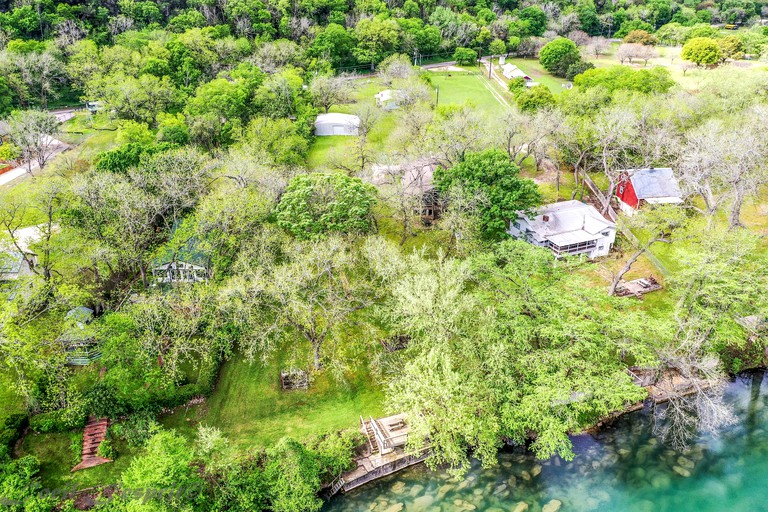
[
  {"x": 388, "y": 99},
  {"x": 337, "y": 124},
  {"x": 511, "y": 71},
  {"x": 652, "y": 186}
]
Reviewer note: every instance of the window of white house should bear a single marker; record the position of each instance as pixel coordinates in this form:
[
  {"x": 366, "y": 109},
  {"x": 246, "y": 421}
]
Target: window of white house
[
  {"x": 605, "y": 233},
  {"x": 621, "y": 189}
]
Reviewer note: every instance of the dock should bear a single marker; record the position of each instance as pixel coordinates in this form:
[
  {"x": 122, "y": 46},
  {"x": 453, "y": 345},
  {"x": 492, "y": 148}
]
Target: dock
[{"x": 384, "y": 453}]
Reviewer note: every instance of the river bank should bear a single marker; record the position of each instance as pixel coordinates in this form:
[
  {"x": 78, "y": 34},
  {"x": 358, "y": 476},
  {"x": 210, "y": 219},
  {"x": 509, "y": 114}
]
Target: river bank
[{"x": 621, "y": 467}]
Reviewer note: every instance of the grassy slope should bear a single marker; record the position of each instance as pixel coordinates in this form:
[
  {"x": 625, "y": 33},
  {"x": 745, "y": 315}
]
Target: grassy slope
[{"x": 252, "y": 411}]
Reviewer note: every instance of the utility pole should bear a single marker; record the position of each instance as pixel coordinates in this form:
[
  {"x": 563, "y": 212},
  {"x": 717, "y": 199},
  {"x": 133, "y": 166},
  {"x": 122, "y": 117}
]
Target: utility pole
[
  {"x": 437, "y": 100},
  {"x": 490, "y": 66}
]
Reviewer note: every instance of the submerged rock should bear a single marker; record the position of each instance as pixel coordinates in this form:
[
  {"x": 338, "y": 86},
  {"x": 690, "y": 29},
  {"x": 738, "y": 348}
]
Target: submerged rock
[
  {"x": 525, "y": 475},
  {"x": 685, "y": 463},
  {"x": 397, "y": 507},
  {"x": 422, "y": 502},
  {"x": 552, "y": 506},
  {"x": 398, "y": 488},
  {"x": 681, "y": 471},
  {"x": 536, "y": 471},
  {"x": 520, "y": 507}
]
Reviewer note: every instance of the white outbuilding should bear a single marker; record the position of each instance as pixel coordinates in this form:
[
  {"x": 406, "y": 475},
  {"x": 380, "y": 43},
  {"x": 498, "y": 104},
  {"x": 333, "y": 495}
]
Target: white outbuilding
[{"x": 336, "y": 124}]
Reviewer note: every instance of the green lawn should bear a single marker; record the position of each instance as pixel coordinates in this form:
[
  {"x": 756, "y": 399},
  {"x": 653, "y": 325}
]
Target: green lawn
[
  {"x": 459, "y": 87},
  {"x": 252, "y": 411},
  {"x": 57, "y": 460}
]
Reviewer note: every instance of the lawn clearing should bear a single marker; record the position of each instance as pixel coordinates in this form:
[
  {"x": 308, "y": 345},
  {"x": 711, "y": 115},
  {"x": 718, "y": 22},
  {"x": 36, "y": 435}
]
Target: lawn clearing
[
  {"x": 460, "y": 87},
  {"x": 252, "y": 410},
  {"x": 57, "y": 459}
]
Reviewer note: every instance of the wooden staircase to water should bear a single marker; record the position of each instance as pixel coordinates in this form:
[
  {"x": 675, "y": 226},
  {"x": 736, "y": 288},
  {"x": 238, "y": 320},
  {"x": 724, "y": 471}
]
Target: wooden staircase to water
[{"x": 95, "y": 432}]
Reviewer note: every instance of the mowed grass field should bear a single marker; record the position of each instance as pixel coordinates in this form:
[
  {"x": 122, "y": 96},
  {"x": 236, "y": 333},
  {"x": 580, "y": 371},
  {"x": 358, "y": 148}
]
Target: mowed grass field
[
  {"x": 460, "y": 87},
  {"x": 252, "y": 410}
]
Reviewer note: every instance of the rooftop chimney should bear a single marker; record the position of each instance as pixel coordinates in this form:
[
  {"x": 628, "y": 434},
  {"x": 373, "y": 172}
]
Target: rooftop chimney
[{"x": 545, "y": 218}]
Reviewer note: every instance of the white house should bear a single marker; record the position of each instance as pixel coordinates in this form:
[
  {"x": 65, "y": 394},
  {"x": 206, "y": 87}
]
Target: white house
[
  {"x": 388, "y": 99},
  {"x": 567, "y": 228},
  {"x": 336, "y": 124}
]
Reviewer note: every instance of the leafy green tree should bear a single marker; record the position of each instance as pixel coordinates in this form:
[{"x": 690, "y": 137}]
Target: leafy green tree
[
  {"x": 492, "y": 174},
  {"x": 227, "y": 100},
  {"x": 317, "y": 204},
  {"x": 702, "y": 51},
  {"x": 465, "y": 56},
  {"x": 558, "y": 55},
  {"x": 376, "y": 38},
  {"x": 333, "y": 43},
  {"x": 731, "y": 47},
  {"x": 536, "y": 98},
  {"x": 497, "y": 47},
  {"x": 578, "y": 68},
  {"x": 535, "y": 19},
  {"x": 172, "y": 128}
]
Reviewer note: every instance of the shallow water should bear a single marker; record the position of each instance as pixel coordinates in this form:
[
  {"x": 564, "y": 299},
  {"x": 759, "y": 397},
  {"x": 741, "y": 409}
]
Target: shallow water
[{"x": 623, "y": 468}]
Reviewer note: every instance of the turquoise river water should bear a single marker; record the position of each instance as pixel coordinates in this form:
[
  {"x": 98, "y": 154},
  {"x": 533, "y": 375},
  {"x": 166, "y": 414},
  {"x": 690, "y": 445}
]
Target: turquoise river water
[{"x": 622, "y": 468}]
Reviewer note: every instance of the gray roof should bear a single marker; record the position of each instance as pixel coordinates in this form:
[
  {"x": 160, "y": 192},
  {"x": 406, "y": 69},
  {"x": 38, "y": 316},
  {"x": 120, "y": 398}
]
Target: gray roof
[
  {"x": 654, "y": 183},
  {"x": 4, "y": 129},
  {"x": 568, "y": 222}
]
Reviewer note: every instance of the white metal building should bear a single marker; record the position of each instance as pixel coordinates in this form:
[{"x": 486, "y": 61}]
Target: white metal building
[
  {"x": 567, "y": 228},
  {"x": 336, "y": 124}
]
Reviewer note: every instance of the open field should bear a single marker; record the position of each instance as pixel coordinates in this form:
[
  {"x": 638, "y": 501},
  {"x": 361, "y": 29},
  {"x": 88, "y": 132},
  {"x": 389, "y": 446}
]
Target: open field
[{"x": 253, "y": 412}]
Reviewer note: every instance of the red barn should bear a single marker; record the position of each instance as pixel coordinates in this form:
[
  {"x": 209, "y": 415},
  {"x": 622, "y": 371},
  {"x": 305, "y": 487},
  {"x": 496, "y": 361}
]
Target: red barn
[{"x": 654, "y": 186}]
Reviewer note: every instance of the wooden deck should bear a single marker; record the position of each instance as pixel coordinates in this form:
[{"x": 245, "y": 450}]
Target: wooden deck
[
  {"x": 638, "y": 287},
  {"x": 372, "y": 467}
]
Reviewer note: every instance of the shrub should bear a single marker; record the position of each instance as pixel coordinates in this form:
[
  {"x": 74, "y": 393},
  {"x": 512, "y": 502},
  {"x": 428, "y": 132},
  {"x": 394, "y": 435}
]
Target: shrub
[
  {"x": 62, "y": 420},
  {"x": 9, "y": 152},
  {"x": 578, "y": 68},
  {"x": 76, "y": 446},
  {"x": 136, "y": 429},
  {"x": 516, "y": 85},
  {"x": 106, "y": 450},
  {"x": 630, "y": 25},
  {"x": 536, "y": 98}
]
